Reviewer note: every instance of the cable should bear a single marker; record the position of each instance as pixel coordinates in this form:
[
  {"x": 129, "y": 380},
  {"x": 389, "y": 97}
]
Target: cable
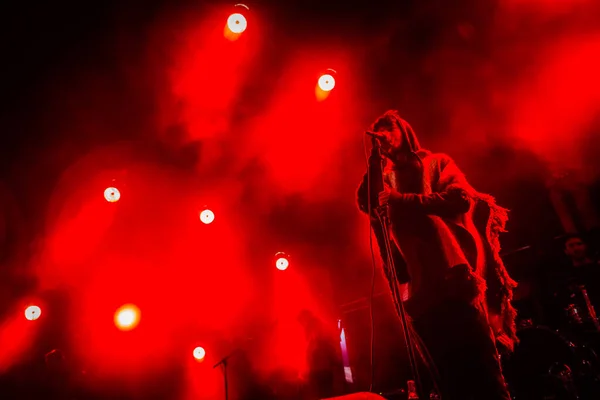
[
  {"x": 412, "y": 340},
  {"x": 371, "y": 295},
  {"x": 399, "y": 305},
  {"x": 392, "y": 280}
]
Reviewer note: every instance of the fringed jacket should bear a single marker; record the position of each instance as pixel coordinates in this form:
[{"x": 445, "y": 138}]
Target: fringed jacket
[{"x": 445, "y": 240}]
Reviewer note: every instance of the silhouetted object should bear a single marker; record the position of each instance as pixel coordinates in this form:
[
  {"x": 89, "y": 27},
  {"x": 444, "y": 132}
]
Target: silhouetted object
[
  {"x": 55, "y": 361},
  {"x": 241, "y": 382},
  {"x": 223, "y": 363},
  {"x": 573, "y": 289},
  {"x": 547, "y": 365},
  {"x": 57, "y": 375},
  {"x": 446, "y": 236},
  {"x": 358, "y": 396},
  {"x": 396, "y": 268},
  {"x": 325, "y": 366}
]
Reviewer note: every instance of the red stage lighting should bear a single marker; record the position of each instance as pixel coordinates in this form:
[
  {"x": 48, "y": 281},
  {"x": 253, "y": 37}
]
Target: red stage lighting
[
  {"x": 32, "y": 313},
  {"x": 282, "y": 261},
  {"x": 112, "y": 194},
  {"x": 127, "y": 317},
  {"x": 207, "y": 216},
  {"x": 237, "y": 23},
  {"x": 326, "y": 82},
  {"x": 199, "y": 354}
]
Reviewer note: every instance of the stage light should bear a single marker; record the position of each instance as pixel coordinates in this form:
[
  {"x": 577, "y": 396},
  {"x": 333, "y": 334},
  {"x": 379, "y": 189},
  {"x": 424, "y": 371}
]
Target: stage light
[
  {"x": 32, "y": 313},
  {"x": 237, "y": 23},
  {"x": 199, "y": 354},
  {"x": 127, "y": 317},
  {"x": 207, "y": 216},
  {"x": 112, "y": 194},
  {"x": 282, "y": 261},
  {"x": 326, "y": 82}
]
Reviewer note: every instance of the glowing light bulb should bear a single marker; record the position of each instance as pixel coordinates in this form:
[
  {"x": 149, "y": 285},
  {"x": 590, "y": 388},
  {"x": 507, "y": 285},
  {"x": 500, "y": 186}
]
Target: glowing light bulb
[
  {"x": 326, "y": 82},
  {"x": 127, "y": 317},
  {"x": 112, "y": 194},
  {"x": 32, "y": 313},
  {"x": 199, "y": 353},
  {"x": 207, "y": 216},
  {"x": 282, "y": 261},
  {"x": 282, "y": 264},
  {"x": 237, "y": 23}
]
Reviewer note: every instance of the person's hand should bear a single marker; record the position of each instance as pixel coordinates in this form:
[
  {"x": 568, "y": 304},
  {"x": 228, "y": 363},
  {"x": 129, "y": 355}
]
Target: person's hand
[
  {"x": 388, "y": 194},
  {"x": 384, "y": 196}
]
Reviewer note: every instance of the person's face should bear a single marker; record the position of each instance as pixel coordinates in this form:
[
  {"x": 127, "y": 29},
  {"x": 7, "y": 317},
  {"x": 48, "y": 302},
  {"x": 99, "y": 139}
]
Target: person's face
[
  {"x": 391, "y": 143},
  {"x": 575, "y": 248}
]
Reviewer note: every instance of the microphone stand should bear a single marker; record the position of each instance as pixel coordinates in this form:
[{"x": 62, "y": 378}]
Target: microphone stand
[
  {"x": 223, "y": 362},
  {"x": 376, "y": 185}
]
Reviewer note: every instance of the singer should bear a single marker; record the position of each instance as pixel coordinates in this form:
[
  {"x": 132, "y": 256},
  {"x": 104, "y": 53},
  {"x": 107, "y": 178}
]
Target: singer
[{"x": 443, "y": 237}]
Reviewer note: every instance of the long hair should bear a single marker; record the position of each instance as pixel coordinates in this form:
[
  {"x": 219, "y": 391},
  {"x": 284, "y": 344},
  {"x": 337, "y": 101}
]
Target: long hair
[{"x": 392, "y": 118}]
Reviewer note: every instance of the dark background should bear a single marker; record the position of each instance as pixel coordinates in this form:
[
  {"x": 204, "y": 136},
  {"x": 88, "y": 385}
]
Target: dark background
[{"x": 483, "y": 81}]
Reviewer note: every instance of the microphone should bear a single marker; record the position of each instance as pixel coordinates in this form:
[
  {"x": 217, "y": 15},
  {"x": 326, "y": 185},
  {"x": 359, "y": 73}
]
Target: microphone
[{"x": 375, "y": 135}]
